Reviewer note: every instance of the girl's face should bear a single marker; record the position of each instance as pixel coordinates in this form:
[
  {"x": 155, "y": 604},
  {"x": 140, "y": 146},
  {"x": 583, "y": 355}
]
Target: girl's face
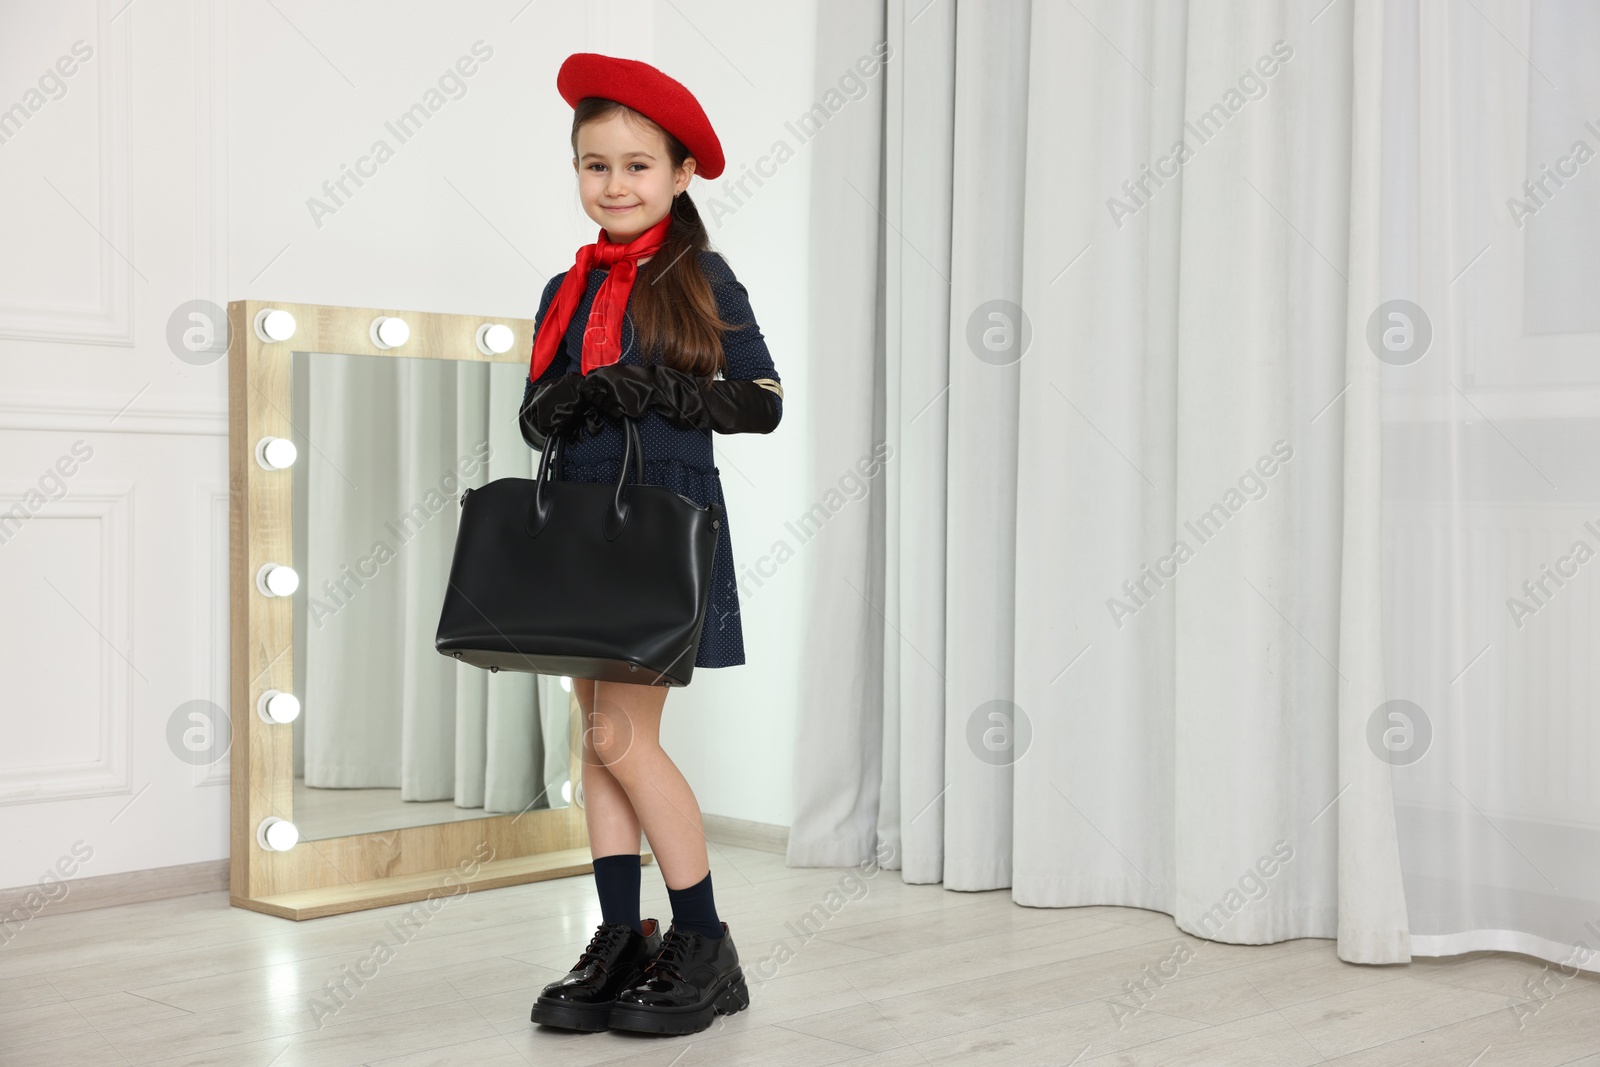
[{"x": 625, "y": 177}]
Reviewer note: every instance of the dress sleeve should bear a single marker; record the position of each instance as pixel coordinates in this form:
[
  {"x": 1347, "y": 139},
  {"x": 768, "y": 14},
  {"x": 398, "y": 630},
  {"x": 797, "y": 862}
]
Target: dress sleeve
[
  {"x": 559, "y": 364},
  {"x": 744, "y": 346}
]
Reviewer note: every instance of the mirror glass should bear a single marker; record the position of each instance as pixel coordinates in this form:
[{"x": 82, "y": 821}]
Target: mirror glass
[{"x": 391, "y": 733}]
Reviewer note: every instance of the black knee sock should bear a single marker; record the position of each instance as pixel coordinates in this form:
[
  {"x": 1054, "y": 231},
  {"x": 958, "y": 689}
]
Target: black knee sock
[
  {"x": 617, "y": 879},
  {"x": 693, "y": 908}
]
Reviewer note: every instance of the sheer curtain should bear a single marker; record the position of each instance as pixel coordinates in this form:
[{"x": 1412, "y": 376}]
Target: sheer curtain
[
  {"x": 1176, "y": 542},
  {"x": 388, "y": 446},
  {"x": 1491, "y": 393}
]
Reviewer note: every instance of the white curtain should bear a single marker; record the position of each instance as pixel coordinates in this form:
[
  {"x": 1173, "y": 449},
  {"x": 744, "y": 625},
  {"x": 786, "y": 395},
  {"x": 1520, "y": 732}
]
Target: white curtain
[
  {"x": 1165, "y": 532},
  {"x": 389, "y": 444},
  {"x": 1491, "y": 212}
]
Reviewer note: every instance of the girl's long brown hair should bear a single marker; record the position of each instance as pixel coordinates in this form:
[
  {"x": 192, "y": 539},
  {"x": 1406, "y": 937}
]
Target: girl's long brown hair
[{"x": 673, "y": 309}]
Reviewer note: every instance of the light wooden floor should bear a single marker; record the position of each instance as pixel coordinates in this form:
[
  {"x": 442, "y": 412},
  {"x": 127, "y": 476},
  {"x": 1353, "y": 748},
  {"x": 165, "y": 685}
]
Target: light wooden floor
[{"x": 895, "y": 976}]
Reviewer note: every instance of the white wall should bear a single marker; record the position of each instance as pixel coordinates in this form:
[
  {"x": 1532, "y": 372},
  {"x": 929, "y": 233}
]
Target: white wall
[{"x": 176, "y": 166}]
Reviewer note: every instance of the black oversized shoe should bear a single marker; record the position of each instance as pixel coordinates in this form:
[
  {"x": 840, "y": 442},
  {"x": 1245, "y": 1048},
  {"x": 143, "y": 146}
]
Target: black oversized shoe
[
  {"x": 613, "y": 961},
  {"x": 690, "y": 981}
]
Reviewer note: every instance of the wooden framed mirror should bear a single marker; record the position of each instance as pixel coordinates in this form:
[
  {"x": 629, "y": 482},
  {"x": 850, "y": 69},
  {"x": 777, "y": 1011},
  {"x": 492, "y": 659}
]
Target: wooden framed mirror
[{"x": 408, "y": 775}]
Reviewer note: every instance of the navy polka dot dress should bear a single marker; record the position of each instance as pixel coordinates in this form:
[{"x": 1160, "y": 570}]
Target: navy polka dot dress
[{"x": 676, "y": 457}]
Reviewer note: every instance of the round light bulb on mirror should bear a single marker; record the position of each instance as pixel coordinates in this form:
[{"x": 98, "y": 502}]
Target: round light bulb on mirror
[
  {"x": 389, "y": 332},
  {"x": 277, "y": 835},
  {"x": 566, "y": 683},
  {"x": 276, "y": 453},
  {"x": 566, "y": 791},
  {"x": 274, "y": 324},
  {"x": 274, "y": 579},
  {"x": 495, "y": 338},
  {"x": 278, "y": 707}
]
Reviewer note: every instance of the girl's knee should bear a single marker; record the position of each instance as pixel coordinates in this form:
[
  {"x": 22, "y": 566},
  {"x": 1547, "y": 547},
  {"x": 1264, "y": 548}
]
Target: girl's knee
[{"x": 621, "y": 751}]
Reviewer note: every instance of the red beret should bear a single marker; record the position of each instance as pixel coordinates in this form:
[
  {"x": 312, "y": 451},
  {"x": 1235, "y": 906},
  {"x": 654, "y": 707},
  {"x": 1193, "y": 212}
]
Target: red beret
[{"x": 642, "y": 87}]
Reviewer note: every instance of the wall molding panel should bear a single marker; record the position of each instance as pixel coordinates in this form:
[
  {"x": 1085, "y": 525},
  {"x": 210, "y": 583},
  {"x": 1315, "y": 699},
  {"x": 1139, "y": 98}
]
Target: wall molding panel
[
  {"x": 210, "y": 611},
  {"x": 81, "y": 412},
  {"x": 110, "y": 772},
  {"x": 108, "y": 321}
]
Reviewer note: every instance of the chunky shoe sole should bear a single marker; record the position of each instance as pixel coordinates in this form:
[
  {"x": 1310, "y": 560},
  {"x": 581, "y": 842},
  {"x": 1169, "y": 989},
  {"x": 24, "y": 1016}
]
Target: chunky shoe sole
[
  {"x": 731, "y": 996},
  {"x": 569, "y": 1016}
]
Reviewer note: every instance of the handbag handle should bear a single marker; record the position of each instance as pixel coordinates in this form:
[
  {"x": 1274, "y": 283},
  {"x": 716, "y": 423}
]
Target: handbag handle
[{"x": 616, "y": 517}]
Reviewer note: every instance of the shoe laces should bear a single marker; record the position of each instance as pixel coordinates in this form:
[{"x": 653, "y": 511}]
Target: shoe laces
[
  {"x": 601, "y": 944},
  {"x": 669, "y": 958}
]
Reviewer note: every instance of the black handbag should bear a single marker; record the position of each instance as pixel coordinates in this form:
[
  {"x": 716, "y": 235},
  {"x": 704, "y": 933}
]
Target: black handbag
[{"x": 580, "y": 578}]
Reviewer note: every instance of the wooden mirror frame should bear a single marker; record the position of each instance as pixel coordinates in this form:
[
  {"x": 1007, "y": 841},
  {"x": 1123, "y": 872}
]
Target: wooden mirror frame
[{"x": 371, "y": 870}]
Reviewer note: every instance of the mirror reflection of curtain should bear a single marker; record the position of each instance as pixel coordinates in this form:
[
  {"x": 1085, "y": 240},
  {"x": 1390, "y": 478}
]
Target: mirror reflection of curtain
[{"x": 389, "y": 444}]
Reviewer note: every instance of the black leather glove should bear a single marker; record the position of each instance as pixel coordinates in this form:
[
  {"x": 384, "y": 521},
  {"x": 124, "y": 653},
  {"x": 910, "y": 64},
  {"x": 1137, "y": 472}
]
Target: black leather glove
[
  {"x": 721, "y": 405},
  {"x": 555, "y": 407}
]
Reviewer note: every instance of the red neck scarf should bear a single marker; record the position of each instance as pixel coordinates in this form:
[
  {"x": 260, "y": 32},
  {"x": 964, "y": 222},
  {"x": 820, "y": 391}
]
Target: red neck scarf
[{"x": 602, "y": 334}]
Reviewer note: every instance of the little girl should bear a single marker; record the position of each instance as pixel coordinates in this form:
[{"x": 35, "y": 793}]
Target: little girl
[{"x": 638, "y": 328}]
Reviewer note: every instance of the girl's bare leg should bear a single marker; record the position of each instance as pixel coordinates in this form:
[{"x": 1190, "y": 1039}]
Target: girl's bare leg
[
  {"x": 627, "y": 740},
  {"x": 613, "y": 826}
]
